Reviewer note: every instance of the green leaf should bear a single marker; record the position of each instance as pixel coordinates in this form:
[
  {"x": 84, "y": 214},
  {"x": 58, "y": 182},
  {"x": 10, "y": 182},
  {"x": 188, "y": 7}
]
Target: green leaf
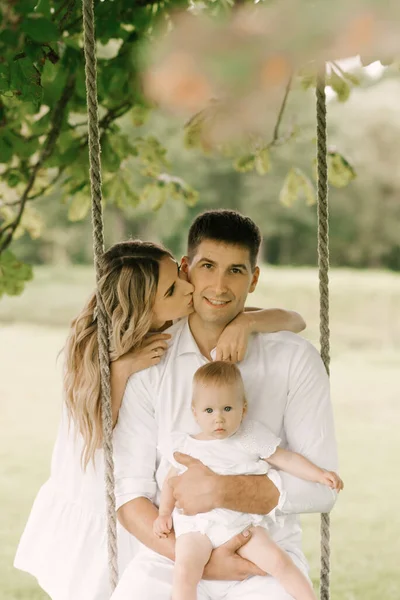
[
  {"x": 6, "y": 150},
  {"x": 246, "y": 163},
  {"x": 4, "y": 78},
  {"x": 13, "y": 274},
  {"x": 352, "y": 78},
  {"x": 13, "y": 179},
  {"x": 308, "y": 77},
  {"x": 339, "y": 85},
  {"x": 139, "y": 115},
  {"x": 40, "y": 30},
  {"x": 117, "y": 191},
  {"x": 296, "y": 185},
  {"x": 263, "y": 161},
  {"x": 43, "y": 8},
  {"x": 79, "y": 207},
  {"x": 155, "y": 194},
  {"x": 25, "y": 81},
  {"x": 32, "y": 223},
  {"x": 110, "y": 159},
  {"x": 340, "y": 171}
]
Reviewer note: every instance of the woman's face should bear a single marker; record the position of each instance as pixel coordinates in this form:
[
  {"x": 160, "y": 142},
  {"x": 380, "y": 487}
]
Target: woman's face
[{"x": 174, "y": 294}]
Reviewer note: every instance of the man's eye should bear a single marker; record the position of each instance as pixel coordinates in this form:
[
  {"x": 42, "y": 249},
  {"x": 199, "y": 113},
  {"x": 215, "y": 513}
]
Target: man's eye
[
  {"x": 207, "y": 265},
  {"x": 228, "y": 408},
  {"x": 209, "y": 410},
  {"x": 234, "y": 270},
  {"x": 171, "y": 291}
]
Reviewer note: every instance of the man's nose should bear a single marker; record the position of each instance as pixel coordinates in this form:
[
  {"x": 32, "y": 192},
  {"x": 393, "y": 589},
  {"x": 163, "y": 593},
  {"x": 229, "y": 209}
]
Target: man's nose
[
  {"x": 220, "y": 284},
  {"x": 219, "y": 417}
]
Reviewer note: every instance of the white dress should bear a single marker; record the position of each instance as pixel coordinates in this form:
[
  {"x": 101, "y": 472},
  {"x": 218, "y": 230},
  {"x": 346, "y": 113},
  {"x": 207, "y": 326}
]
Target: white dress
[
  {"x": 239, "y": 454},
  {"x": 64, "y": 544}
]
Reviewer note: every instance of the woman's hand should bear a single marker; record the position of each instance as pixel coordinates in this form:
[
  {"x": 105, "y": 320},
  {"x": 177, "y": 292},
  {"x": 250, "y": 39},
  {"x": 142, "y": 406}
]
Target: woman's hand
[
  {"x": 148, "y": 354},
  {"x": 233, "y": 341},
  {"x": 162, "y": 526}
]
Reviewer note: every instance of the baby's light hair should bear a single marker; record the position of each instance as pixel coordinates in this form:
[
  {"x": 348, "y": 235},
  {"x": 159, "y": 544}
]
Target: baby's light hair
[{"x": 219, "y": 373}]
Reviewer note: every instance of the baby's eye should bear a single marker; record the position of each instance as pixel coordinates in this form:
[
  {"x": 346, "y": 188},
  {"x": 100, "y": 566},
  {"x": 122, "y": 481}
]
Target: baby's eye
[
  {"x": 228, "y": 408},
  {"x": 209, "y": 410}
]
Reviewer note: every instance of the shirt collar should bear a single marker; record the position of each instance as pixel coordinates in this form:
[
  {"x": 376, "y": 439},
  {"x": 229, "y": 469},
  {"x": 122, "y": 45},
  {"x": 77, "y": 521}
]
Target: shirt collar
[{"x": 187, "y": 343}]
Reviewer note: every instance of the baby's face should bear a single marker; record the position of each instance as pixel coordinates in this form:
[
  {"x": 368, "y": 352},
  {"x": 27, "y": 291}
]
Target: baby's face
[{"x": 218, "y": 409}]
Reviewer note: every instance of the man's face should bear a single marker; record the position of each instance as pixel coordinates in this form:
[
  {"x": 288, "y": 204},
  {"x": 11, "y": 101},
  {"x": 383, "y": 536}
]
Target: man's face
[{"x": 222, "y": 277}]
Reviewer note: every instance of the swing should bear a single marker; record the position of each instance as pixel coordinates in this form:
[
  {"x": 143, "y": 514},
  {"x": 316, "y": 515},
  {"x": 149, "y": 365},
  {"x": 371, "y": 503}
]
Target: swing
[{"x": 89, "y": 44}]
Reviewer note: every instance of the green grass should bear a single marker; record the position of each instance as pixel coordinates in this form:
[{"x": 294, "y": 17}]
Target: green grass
[{"x": 366, "y": 389}]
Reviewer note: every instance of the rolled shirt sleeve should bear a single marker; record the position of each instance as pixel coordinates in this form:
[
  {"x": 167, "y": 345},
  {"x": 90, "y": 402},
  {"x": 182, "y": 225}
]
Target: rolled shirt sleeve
[
  {"x": 309, "y": 428},
  {"x": 135, "y": 445}
]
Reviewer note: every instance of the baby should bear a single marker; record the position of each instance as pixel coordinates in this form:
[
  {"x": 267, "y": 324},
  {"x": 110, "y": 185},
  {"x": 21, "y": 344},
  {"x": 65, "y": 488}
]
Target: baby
[{"x": 228, "y": 445}]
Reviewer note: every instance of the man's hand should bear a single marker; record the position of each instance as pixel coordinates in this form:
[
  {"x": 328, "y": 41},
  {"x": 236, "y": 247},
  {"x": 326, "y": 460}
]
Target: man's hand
[
  {"x": 226, "y": 564},
  {"x": 195, "y": 491}
]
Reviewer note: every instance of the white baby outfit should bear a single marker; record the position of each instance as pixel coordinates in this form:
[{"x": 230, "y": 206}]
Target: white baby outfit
[{"x": 239, "y": 454}]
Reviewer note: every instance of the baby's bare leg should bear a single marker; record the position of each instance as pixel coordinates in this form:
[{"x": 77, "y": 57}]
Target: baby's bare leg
[
  {"x": 192, "y": 552},
  {"x": 266, "y": 554}
]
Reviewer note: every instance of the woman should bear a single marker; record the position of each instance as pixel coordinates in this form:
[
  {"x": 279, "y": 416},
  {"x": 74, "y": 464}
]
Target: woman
[{"x": 64, "y": 543}]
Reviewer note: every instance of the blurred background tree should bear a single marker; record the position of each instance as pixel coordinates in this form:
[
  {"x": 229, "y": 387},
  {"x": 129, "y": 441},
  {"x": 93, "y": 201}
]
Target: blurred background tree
[{"x": 153, "y": 183}]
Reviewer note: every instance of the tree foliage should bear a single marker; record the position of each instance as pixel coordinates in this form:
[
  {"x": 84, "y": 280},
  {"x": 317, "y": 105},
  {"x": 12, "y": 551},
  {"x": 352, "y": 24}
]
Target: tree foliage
[{"x": 43, "y": 125}]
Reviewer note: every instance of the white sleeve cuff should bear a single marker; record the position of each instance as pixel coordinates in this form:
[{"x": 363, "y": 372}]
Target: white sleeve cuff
[
  {"x": 128, "y": 489},
  {"x": 276, "y": 514}
]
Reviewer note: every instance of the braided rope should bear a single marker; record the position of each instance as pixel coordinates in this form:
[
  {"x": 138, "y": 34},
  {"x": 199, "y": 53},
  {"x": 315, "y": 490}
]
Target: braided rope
[
  {"x": 98, "y": 246},
  {"x": 323, "y": 266}
]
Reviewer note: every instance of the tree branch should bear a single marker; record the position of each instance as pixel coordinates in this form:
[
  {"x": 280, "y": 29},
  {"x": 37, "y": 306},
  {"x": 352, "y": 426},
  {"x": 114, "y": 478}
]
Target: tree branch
[
  {"x": 275, "y": 138},
  {"x": 56, "y": 124}
]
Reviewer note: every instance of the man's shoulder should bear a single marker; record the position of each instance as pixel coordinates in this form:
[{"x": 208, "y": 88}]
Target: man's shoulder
[
  {"x": 284, "y": 338},
  {"x": 287, "y": 343}
]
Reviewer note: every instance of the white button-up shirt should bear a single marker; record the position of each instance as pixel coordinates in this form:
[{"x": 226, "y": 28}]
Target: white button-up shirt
[{"x": 287, "y": 390}]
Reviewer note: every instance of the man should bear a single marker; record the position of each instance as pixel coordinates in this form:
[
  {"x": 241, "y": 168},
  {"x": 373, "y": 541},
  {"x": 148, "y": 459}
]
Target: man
[{"x": 287, "y": 389}]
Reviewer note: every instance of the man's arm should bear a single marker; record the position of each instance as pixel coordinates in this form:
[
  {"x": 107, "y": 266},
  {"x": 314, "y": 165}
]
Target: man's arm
[
  {"x": 138, "y": 516},
  {"x": 135, "y": 450},
  {"x": 308, "y": 424},
  {"x": 309, "y": 428},
  {"x": 199, "y": 489},
  {"x": 135, "y": 444}
]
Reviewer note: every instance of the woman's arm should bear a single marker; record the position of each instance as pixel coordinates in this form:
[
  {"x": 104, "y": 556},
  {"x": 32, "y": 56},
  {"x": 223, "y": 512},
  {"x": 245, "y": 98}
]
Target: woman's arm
[
  {"x": 148, "y": 354},
  {"x": 269, "y": 320},
  {"x": 233, "y": 341}
]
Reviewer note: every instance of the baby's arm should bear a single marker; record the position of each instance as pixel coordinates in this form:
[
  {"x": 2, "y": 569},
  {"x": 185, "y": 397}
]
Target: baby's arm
[
  {"x": 163, "y": 524},
  {"x": 301, "y": 467}
]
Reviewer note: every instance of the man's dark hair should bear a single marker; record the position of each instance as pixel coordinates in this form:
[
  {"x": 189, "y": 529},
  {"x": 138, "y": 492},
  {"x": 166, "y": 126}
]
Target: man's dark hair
[{"x": 227, "y": 226}]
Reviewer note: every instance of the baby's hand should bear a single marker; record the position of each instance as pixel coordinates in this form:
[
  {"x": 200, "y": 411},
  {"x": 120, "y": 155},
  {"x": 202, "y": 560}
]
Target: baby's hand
[
  {"x": 162, "y": 526},
  {"x": 332, "y": 480}
]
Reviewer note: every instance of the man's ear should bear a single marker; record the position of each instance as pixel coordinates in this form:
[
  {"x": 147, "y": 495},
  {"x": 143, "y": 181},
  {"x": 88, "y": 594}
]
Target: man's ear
[
  {"x": 244, "y": 407},
  {"x": 185, "y": 264},
  {"x": 254, "y": 281}
]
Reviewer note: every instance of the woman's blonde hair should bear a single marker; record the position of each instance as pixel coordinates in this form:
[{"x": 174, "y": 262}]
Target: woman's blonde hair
[{"x": 128, "y": 287}]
